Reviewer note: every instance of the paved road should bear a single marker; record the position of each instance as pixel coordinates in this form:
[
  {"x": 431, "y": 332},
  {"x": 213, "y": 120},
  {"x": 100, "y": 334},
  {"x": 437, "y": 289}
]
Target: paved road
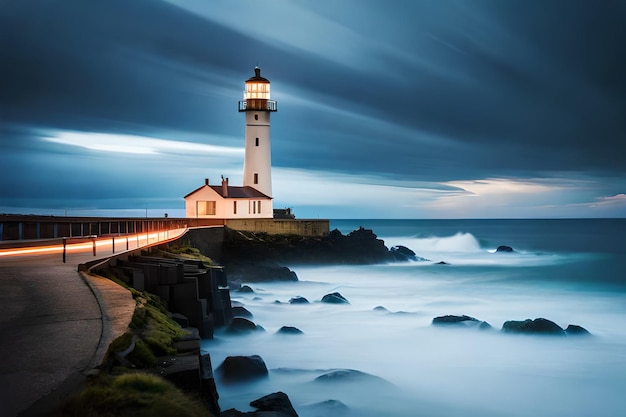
[{"x": 51, "y": 325}]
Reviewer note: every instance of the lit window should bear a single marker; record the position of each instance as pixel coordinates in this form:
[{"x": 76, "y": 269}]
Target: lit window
[{"x": 206, "y": 208}]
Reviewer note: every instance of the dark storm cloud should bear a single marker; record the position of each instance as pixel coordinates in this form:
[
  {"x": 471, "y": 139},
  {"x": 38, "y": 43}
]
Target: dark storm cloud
[
  {"x": 113, "y": 65},
  {"x": 412, "y": 90}
]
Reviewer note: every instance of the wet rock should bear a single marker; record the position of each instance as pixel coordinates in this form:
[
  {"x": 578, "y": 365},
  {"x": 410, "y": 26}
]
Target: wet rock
[
  {"x": 348, "y": 376},
  {"x": 298, "y": 300},
  {"x": 381, "y": 308},
  {"x": 536, "y": 326},
  {"x": 402, "y": 253},
  {"x": 333, "y": 408},
  {"x": 240, "y": 311},
  {"x": 242, "y": 369},
  {"x": 289, "y": 330},
  {"x": 576, "y": 330},
  {"x": 335, "y": 298},
  {"x": 277, "y": 402},
  {"x": 246, "y": 289},
  {"x": 465, "y": 321},
  {"x": 504, "y": 248},
  {"x": 260, "y": 273},
  {"x": 442, "y": 263},
  {"x": 241, "y": 325}
]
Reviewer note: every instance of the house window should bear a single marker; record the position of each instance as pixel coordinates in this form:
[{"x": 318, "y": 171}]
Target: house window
[
  {"x": 254, "y": 207},
  {"x": 206, "y": 208},
  {"x": 258, "y": 206},
  {"x": 256, "y": 117},
  {"x": 256, "y": 178},
  {"x": 234, "y": 207},
  {"x": 257, "y": 142}
]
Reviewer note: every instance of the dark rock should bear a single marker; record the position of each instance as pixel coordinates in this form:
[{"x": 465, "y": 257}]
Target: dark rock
[
  {"x": 278, "y": 402},
  {"x": 485, "y": 326},
  {"x": 246, "y": 288},
  {"x": 242, "y": 368},
  {"x": 245, "y": 253},
  {"x": 260, "y": 273},
  {"x": 240, "y": 311},
  {"x": 335, "y": 298},
  {"x": 402, "y": 253},
  {"x": 576, "y": 330},
  {"x": 343, "y": 376},
  {"x": 289, "y": 330},
  {"x": 334, "y": 408},
  {"x": 298, "y": 300},
  {"x": 467, "y": 321},
  {"x": 442, "y": 263},
  {"x": 182, "y": 320},
  {"x": 504, "y": 248},
  {"x": 381, "y": 308},
  {"x": 536, "y": 326},
  {"x": 241, "y": 325}
]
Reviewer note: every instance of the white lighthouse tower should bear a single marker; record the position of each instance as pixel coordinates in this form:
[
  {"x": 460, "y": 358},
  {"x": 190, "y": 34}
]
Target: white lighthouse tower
[{"x": 257, "y": 166}]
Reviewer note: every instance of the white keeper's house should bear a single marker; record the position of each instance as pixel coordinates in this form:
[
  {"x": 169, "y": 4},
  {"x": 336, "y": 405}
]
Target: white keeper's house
[{"x": 254, "y": 198}]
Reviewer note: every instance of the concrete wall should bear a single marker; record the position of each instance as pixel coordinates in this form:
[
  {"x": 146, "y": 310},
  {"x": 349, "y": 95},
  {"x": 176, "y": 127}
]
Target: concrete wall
[{"x": 287, "y": 226}]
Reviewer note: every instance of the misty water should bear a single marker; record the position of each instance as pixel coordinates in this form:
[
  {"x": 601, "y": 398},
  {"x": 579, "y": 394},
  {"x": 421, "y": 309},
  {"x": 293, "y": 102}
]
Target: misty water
[{"x": 568, "y": 271}]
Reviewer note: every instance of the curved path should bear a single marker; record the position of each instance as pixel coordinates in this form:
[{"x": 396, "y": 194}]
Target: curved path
[{"x": 55, "y": 325}]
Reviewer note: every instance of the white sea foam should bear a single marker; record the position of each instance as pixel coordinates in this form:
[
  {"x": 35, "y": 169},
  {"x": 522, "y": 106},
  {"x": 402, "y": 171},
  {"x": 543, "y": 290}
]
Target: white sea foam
[{"x": 441, "y": 371}]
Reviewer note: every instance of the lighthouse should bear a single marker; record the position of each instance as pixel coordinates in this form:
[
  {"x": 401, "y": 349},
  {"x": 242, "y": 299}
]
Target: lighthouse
[{"x": 256, "y": 104}]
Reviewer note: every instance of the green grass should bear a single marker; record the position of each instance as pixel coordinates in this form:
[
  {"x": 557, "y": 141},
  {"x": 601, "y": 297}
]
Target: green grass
[
  {"x": 132, "y": 395},
  {"x": 126, "y": 391}
]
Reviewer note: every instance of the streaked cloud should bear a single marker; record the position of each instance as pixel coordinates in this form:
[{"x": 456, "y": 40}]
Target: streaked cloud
[
  {"x": 132, "y": 144},
  {"x": 419, "y": 109}
]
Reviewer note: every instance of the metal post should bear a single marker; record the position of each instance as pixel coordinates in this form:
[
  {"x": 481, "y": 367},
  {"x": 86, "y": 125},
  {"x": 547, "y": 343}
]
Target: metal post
[
  {"x": 126, "y": 242},
  {"x": 64, "y": 245},
  {"x": 113, "y": 244},
  {"x": 94, "y": 246}
]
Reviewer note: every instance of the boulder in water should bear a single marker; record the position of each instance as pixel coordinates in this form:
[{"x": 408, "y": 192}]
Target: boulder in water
[
  {"x": 277, "y": 402},
  {"x": 335, "y": 298},
  {"x": 242, "y": 369},
  {"x": 465, "y": 321},
  {"x": 298, "y": 300},
  {"x": 352, "y": 376},
  {"x": 289, "y": 330},
  {"x": 576, "y": 330},
  {"x": 536, "y": 326},
  {"x": 402, "y": 253},
  {"x": 242, "y": 325},
  {"x": 504, "y": 248},
  {"x": 246, "y": 289},
  {"x": 333, "y": 408},
  {"x": 240, "y": 311}
]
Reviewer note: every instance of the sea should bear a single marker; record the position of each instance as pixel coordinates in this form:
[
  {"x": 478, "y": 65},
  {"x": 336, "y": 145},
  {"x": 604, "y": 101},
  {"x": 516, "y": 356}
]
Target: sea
[{"x": 392, "y": 361}]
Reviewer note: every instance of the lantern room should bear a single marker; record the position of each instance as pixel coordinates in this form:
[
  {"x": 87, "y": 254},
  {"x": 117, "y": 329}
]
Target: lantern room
[{"x": 257, "y": 94}]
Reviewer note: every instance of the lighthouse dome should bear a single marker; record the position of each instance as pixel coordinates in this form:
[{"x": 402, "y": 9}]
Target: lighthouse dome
[{"x": 257, "y": 77}]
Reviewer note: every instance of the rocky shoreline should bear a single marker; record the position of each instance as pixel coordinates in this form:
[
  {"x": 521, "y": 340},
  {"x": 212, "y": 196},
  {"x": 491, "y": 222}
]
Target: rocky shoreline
[{"x": 249, "y": 257}]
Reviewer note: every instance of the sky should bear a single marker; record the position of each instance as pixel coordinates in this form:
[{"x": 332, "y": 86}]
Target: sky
[{"x": 386, "y": 109}]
